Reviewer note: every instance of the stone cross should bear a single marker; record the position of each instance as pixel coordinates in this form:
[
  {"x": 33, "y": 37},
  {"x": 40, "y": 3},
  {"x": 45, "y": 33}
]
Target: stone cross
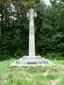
[
  {"x": 31, "y": 14},
  {"x": 31, "y": 59}
]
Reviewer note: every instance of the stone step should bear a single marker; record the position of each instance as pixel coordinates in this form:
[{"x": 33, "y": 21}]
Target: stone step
[{"x": 31, "y": 62}]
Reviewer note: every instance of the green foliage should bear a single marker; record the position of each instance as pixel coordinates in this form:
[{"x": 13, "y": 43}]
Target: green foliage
[
  {"x": 14, "y": 27},
  {"x": 49, "y": 35}
]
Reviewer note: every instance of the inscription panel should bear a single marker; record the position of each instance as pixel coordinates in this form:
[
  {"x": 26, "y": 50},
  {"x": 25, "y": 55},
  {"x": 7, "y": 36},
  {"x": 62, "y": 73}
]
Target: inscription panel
[{"x": 31, "y": 62}]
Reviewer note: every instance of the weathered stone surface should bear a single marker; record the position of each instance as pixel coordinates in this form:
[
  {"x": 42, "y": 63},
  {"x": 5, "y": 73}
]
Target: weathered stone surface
[{"x": 37, "y": 61}]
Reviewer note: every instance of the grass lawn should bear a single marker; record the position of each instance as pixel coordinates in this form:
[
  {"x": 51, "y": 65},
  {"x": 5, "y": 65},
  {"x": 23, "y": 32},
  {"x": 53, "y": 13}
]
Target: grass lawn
[{"x": 31, "y": 75}]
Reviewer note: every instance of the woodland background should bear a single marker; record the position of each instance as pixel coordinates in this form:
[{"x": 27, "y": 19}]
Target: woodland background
[{"x": 14, "y": 27}]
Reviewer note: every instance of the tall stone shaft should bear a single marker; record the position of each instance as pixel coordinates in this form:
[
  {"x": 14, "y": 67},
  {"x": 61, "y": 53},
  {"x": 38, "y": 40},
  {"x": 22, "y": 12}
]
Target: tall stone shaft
[{"x": 31, "y": 16}]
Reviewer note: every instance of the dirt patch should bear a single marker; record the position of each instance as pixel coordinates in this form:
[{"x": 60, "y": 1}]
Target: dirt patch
[{"x": 55, "y": 82}]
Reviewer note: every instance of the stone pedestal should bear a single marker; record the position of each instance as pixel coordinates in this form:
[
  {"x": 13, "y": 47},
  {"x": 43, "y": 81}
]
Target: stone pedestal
[{"x": 32, "y": 61}]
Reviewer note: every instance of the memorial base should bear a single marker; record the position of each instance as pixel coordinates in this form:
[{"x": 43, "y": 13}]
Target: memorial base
[{"x": 32, "y": 61}]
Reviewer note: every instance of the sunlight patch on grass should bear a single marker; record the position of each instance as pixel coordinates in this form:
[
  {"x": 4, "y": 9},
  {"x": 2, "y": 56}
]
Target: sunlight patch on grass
[{"x": 4, "y": 64}]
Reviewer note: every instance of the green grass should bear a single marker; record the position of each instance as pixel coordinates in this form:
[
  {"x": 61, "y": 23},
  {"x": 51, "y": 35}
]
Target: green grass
[{"x": 31, "y": 75}]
